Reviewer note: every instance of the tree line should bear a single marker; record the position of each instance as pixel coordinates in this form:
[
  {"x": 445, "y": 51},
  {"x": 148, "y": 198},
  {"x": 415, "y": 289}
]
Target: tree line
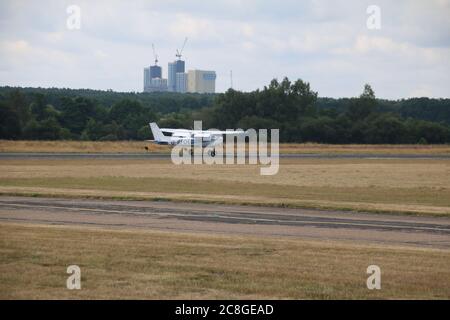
[{"x": 292, "y": 107}]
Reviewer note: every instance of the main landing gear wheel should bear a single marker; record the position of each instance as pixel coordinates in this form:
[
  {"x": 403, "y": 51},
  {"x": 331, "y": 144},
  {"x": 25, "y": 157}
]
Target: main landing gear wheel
[{"x": 212, "y": 153}]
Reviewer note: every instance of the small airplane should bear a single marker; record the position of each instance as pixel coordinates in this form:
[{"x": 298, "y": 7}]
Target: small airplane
[{"x": 186, "y": 138}]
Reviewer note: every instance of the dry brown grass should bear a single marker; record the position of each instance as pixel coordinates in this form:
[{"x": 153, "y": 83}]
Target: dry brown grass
[
  {"x": 388, "y": 185},
  {"x": 161, "y": 265},
  {"x": 139, "y": 147},
  {"x": 81, "y": 146},
  {"x": 363, "y": 148}
]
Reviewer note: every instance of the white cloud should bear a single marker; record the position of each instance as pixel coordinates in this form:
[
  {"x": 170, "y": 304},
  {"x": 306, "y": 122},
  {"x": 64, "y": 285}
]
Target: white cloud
[
  {"x": 247, "y": 30},
  {"x": 422, "y": 91},
  {"x": 192, "y": 27},
  {"x": 401, "y": 52},
  {"x": 322, "y": 41}
]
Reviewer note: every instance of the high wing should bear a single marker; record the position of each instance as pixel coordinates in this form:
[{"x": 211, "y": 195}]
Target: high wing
[
  {"x": 174, "y": 130},
  {"x": 218, "y": 132},
  {"x": 193, "y": 132}
]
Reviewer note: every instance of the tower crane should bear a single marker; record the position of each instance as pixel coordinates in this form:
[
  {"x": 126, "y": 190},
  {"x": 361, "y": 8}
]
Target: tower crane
[
  {"x": 178, "y": 54},
  {"x": 155, "y": 55}
]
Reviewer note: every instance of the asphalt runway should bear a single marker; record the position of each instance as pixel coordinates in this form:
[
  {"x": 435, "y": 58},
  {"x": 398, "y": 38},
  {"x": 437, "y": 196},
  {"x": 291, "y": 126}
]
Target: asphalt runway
[
  {"x": 133, "y": 156},
  {"x": 357, "y": 228}
]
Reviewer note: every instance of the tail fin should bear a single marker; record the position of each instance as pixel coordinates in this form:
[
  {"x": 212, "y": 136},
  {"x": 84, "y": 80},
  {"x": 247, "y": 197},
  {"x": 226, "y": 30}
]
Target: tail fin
[{"x": 157, "y": 133}]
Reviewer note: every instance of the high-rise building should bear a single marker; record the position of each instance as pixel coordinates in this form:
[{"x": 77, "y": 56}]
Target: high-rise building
[
  {"x": 155, "y": 72},
  {"x": 171, "y": 76},
  {"x": 174, "y": 67},
  {"x": 181, "y": 82},
  {"x": 201, "y": 81},
  {"x": 158, "y": 85},
  {"x": 147, "y": 78},
  {"x": 180, "y": 65},
  {"x": 153, "y": 81}
]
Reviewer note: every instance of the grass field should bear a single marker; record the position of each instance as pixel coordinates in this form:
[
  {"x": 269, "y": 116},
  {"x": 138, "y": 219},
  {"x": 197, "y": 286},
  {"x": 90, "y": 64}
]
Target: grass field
[
  {"x": 413, "y": 186},
  {"x": 139, "y": 147},
  {"x": 151, "y": 265}
]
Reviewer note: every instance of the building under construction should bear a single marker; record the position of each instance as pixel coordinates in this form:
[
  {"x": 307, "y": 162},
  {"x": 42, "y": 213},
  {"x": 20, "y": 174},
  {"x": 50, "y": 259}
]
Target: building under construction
[{"x": 199, "y": 81}]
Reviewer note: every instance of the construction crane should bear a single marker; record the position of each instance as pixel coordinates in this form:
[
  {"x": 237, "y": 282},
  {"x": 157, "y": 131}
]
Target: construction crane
[
  {"x": 155, "y": 55},
  {"x": 231, "y": 79},
  {"x": 178, "y": 55}
]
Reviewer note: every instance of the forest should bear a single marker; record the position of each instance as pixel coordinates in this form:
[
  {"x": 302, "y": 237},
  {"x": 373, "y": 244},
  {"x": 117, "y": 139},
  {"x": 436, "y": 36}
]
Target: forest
[{"x": 293, "y": 107}]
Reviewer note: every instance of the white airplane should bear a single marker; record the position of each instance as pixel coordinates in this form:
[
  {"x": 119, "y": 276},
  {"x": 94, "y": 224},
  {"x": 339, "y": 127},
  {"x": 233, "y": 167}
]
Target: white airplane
[{"x": 186, "y": 138}]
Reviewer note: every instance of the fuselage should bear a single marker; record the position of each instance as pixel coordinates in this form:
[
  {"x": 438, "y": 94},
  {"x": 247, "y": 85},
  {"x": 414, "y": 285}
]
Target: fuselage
[
  {"x": 190, "y": 141},
  {"x": 187, "y": 138}
]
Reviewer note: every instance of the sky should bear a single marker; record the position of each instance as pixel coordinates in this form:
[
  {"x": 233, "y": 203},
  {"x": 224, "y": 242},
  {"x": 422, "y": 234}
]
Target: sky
[{"x": 326, "y": 43}]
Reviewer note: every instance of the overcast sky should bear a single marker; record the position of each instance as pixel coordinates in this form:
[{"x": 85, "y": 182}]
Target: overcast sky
[{"x": 326, "y": 43}]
